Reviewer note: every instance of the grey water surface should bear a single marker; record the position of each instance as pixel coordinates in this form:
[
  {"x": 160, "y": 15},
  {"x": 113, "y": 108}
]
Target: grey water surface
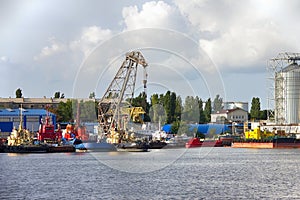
[{"x": 199, "y": 173}]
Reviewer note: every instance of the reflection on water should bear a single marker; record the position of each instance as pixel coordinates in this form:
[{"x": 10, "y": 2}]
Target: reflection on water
[{"x": 212, "y": 173}]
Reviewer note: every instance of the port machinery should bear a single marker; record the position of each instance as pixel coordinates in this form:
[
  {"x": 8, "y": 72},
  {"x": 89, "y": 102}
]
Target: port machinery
[{"x": 114, "y": 108}]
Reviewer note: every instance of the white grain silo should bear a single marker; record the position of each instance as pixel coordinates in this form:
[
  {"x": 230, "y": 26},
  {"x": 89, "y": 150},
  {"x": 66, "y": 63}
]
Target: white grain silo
[{"x": 287, "y": 94}]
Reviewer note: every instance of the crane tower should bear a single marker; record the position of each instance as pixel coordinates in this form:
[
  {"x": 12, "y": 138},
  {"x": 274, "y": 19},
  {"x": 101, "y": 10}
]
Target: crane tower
[{"x": 119, "y": 94}]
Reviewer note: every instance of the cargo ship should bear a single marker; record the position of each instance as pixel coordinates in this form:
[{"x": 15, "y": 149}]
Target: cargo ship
[{"x": 267, "y": 140}]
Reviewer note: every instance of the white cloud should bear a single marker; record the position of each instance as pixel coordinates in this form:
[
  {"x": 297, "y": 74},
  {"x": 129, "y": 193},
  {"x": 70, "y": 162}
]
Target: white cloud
[
  {"x": 54, "y": 48},
  {"x": 95, "y": 34},
  {"x": 242, "y": 33},
  {"x": 4, "y": 59},
  {"x": 243, "y": 47},
  {"x": 90, "y": 37},
  {"x": 152, "y": 15}
]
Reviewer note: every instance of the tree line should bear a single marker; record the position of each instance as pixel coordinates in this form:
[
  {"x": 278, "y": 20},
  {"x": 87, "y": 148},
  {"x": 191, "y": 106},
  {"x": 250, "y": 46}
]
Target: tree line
[{"x": 168, "y": 108}]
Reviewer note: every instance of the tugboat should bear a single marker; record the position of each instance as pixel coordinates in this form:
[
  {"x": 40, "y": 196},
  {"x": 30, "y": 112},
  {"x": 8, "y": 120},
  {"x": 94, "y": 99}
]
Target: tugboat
[
  {"x": 47, "y": 140},
  {"x": 47, "y": 132},
  {"x": 53, "y": 138},
  {"x": 21, "y": 141}
]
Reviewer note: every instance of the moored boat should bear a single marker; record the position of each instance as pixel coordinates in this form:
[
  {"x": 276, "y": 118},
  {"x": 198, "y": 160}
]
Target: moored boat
[
  {"x": 177, "y": 142},
  {"x": 47, "y": 141},
  {"x": 37, "y": 149},
  {"x": 26, "y": 148},
  {"x": 157, "y": 144},
  {"x": 196, "y": 142},
  {"x": 133, "y": 146},
  {"x": 61, "y": 149},
  {"x": 268, "y": 144},
  {"x": 95, "y": 147},
  {"x": 265, "y": 139}
]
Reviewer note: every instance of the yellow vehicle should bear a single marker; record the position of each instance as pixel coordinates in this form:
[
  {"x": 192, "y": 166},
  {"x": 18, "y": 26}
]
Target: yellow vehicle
[{"x": 257, "y": 134}]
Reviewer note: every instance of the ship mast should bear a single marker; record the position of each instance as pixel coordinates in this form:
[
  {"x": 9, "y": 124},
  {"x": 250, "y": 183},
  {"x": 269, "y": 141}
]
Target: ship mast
[{"x": 21, "y": 118}]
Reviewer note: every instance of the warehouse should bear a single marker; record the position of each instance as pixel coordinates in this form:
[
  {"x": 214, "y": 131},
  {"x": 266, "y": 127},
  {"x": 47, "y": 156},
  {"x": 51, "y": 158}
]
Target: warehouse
[{"x": 31, "y": 118}]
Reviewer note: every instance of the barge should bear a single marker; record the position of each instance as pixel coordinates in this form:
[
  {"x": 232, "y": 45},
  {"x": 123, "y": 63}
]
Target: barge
[
  {"x": 264, "y": 139},
  {"x": 263, "y": 144}
]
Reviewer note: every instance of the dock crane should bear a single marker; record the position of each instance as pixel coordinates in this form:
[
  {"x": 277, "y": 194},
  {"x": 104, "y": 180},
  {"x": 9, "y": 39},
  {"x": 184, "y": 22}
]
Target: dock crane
[{"x": 114, "y": 107}]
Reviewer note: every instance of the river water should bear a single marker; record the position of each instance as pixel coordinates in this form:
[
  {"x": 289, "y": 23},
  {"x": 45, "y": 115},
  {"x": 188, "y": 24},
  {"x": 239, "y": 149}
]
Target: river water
[{"x": 199, "y": 173}]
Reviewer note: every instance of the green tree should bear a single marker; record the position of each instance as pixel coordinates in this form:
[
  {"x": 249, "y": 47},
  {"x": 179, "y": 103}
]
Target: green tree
[
  {"x": 175, "y": 127},
  {"x": 167, "y": 100},
  {"x": 255, "y": 108},
  {"x": 217, "y": 103},
  {"x": 141, "y": 101},
  {"x": 263, "y": 115},
  {"x": 191, "y": 109},
  {"x": 65, "y": 111},
  {"x": 154, "y": 112},
  {"x": 207, "y": 110},
  {"x": 178, "y": 109},
  {"x": 92, "y": 95},
  {"x": 172, "y": 107},
  {"x": 88, "y": 111},
  {"x": 57, "y": 95},
  {"x": 183, "y": 128},
  {"x": 19, "y": 93},
  {"x": 202, "y": 117}
]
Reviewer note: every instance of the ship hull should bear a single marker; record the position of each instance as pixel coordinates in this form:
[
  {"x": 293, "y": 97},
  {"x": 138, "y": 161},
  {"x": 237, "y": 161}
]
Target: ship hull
[
  {"x": 132, "y": 147},
  {"x": 96, "y": 147},
  {"x": 284, "y": 143},
  {"x": 195, "y": 142},
  {"x": 37, "y": 149}
]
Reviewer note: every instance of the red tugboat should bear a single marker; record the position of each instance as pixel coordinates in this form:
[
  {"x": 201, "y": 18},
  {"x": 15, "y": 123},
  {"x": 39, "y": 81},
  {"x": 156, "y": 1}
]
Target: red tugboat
[
  {"x": 76, "y": 130},
  {"x": 47, "y": 132},
  {"x": 196, "y": 142}
]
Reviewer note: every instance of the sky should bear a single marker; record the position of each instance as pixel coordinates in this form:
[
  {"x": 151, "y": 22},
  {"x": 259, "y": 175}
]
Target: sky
[{"x": 195, "y": 47}]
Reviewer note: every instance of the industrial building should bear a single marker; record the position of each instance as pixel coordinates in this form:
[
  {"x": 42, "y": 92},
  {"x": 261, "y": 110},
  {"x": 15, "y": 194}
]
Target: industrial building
[
  {"x": 230, "y": 115},
  {"x": 36, "y": 103},
  {"x": 31, "y": 119},
  {"x": 284, "y": 89}
]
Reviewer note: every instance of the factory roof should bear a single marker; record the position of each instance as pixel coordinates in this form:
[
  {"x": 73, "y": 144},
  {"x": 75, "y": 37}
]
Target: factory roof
[
  {"x": 27, "y": 112},
  {"x": 228, "y": 111},
  {"x": 40, "y": 100}
]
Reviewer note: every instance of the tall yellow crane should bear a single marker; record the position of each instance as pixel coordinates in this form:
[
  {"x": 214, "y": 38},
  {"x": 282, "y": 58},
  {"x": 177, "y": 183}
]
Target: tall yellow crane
[{"x": 114, "y": 107}]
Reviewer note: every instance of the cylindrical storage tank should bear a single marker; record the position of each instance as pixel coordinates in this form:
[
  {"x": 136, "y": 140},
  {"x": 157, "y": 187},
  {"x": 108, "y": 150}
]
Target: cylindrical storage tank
[{"x": 287, "y": 95}]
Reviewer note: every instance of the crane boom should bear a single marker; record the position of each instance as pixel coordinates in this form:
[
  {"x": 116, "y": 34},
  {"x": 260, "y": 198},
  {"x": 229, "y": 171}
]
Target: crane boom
[{"x": 119, "y": 94}]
